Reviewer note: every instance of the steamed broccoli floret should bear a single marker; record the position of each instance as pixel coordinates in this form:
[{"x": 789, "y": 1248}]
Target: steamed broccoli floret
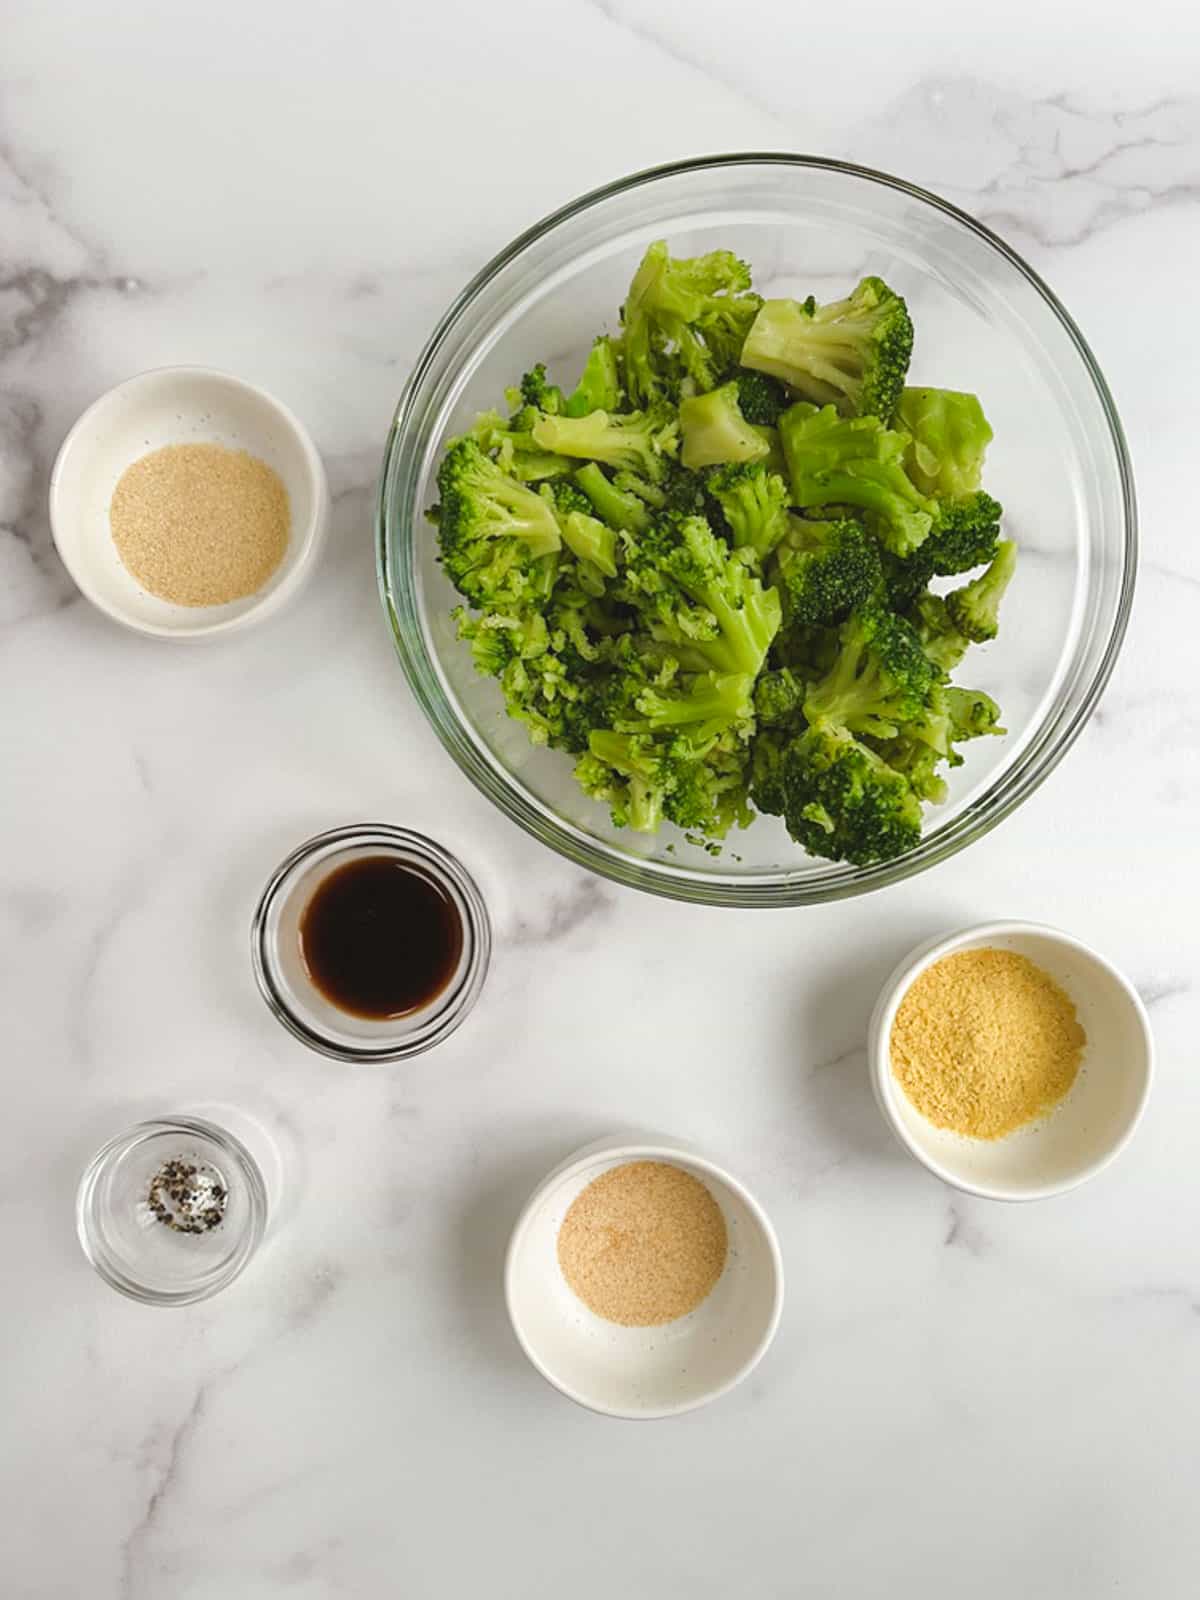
[
  {"x": 762, "y": 398},
  {"x": 917, "y": 762},
  {"x": 844, "y": 802},
  {"x": 809, "y": 650},
  {"x": 639, "y": 441},
  {"x": 853, "y": 353},
  {"x": 823, "y": 570},
  {"x": 714, "y": 430},
  {"x": 975, "y": 608},
  {"x": 591, "y": 540},
  {"x": 645, "y": 777},
  {"x": 972, "y": 714},
  {"x": 965, "y": 534},
  {"x": 599, "y": 387},
  {"x": 616, "y": 507},
  {"x": 838, "y": 461},
  {"x": 753, "y": 501},
  {"x": 766, "y": 769},
  {"x": 949, "y": 436},
  {"x": 492, "y": 529},
  {"x": 778, "y": 697},
  {"x": 935, "y": 628},
  {"x": 881, "y": 680},
  {"x": 698, "y": 596},
  {"x": 684, "y": 318},
  {"x": 535, "y": 391}
]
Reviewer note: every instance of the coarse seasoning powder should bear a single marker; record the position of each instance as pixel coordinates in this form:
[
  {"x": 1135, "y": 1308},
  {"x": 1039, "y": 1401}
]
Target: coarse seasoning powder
[
  {"x": 984, "y": 1041},
  {"x": 643, "y": 1244},
  {"x": 199, "y": 524}
]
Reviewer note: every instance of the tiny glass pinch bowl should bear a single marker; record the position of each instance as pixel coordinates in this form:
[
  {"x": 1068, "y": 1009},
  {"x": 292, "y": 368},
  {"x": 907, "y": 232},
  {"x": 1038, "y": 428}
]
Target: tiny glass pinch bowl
[
  {"x": 130, "y": 1247},
  {"x": 643, "y": 1372},
  {"x": 1094, "y": 1121},
  {"x": 289, "y": 989},
  {"x": 180, "y": 406}
]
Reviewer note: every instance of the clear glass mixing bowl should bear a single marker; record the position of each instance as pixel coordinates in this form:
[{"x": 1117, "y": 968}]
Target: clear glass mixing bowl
[{"x": 984, "y": 321}]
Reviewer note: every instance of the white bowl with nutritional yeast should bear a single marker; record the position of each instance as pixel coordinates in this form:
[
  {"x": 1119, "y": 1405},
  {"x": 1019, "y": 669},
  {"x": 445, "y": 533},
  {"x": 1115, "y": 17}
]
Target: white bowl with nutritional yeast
[
  {"x": 1094, "y": 1121},
  {"x": 643, "y": 1373},
  {"x": 167, "y": 406}
]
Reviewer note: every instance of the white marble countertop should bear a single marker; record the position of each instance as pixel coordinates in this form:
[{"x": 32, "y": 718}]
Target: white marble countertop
[{"x": 963, "y": 1397}]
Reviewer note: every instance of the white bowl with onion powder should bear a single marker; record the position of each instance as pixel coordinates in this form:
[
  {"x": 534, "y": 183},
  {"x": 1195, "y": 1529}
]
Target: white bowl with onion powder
[
  {"x": 186, "y": 503},
  {"x": 1073, "y": 1137},
  {"x": 596, "y": 1222}
]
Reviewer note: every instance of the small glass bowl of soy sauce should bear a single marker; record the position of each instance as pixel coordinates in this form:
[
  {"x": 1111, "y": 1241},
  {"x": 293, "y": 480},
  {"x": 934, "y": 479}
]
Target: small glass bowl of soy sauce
[{"x": 370, "y": 943}]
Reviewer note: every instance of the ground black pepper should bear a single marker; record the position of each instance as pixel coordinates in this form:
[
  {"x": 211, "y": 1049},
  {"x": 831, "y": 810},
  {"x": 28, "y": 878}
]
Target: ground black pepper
[{"x": 187, "y": 1198}]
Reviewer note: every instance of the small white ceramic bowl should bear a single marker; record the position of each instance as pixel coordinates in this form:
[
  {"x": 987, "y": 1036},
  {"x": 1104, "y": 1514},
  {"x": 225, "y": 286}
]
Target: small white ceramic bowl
[
  {"x": 180, "y": 405},
  {"x": 643, "y": 1372},
  {"x": 1095, "y": 1121}
]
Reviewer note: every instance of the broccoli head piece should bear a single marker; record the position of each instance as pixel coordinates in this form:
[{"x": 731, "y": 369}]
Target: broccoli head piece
[
  {"x": 494, "y": 532},
  {"x": 839, "y": 461},
  {"x": 824, "y": 570},
  {"x": 684, "y": 319},
  {"x": 852, "y": 354},
  {"x": 964, "y": 536},
  {"x": 698, "y": 597},
  {"x": 763, "y": 399},
  {"x": 935, "y": 628},
  {"x": 638, "y": 441},
  {"x": 753, "y": 501},
  {"x": 881, "y": 681},
  {"x": 778, "y": 698},
  {"x": 714, "y": 430},
  {"x": 843, "y": 801},
  {"x": 975, "y": 608},
  {"x": 949, "y": 436}
]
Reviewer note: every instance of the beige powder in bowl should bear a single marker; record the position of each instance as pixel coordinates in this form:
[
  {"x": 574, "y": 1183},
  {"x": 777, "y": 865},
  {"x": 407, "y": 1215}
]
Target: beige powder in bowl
[{"x": 200, "y": 524}]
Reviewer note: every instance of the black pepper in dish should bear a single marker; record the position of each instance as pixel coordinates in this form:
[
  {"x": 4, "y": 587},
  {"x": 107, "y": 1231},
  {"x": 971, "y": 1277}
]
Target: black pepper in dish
[{"x": 187, "y": 1197}]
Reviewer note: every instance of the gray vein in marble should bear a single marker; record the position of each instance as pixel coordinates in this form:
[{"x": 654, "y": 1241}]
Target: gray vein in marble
[
  {"x": 586, "y": 901},
  {"x": 962, "y": 1231},
  {"x": 1155, "y": 991},
  {"x": 133, "y": 1547}
]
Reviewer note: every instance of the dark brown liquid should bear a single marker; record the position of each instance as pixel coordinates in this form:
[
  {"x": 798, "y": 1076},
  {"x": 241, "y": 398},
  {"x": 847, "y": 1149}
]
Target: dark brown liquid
[{"x": 380, "y": 939}]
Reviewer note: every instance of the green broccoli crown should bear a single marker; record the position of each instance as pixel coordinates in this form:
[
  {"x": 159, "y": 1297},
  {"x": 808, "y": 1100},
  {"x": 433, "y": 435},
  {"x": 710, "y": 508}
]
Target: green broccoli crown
[
  {"x": 684, "y": 319},
  {"x": 965, "y": 534},
  {"x": 753, "y": 501},
  {"x": 778, "y": 698},
  {"x": 824, "y": 570},
  {"x": 763, "y": 399},
  {"x": 537, "y": 391},
  {"x": 975, "y": 608},
  {"x": 766, "y": 769},
  {"x": 917, "y": 762},
  {"x": 881, "y": 680},
  {"x": 855, "y": 461},
  {"x": 599, "y": 386},
  {"x": 714, "y": 430},
  {"x": 844, "y": 802},
  {"x": 637, "y": 441},
  {"x": 940, "y": 639},
  {"x": 972, "y": 713},
  {"x": 852, "y": 354},
  {"x": 949, "y": 436},
  {"x": 697, "y": 594},
  {"x": 492, "y": 530}
]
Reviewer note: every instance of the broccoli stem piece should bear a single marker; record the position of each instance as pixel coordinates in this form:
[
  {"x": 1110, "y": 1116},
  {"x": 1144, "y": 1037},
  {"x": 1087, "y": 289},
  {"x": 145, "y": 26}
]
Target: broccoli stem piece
[
  {"x": 949, "y": 436},
  {"x": 637, "y": 441},
  {"x": 591, "y": 540},
  {"x": 616, "y": 507},
  {"x": 975, "y": 608},
  {"x": 599, "y": 388},
  {"x": 714, "y": 430}
]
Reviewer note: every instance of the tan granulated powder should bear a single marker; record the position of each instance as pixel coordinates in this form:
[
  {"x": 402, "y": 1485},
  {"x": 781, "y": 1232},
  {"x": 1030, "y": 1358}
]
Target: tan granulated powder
[
  {"x": 200, "y": 525},
  {"x": 985, "y": 1041},
  {"x": 643, "y": 1244}
]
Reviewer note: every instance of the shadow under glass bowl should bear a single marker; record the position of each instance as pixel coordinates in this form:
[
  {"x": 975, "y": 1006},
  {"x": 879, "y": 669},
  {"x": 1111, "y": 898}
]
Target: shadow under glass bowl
[{"x": 984, "y": 322}]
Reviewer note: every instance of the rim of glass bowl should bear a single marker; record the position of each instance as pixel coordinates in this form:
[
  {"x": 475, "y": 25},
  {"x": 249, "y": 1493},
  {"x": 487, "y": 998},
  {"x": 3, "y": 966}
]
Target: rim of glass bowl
[
  {"x": 449, "y": 1009},
  {"x": 394, "y": 529}
]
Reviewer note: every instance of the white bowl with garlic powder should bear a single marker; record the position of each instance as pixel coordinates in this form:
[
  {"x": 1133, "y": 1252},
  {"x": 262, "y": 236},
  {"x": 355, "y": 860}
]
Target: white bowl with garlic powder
[
  {"x": 654, "y": 1371},
  {"x": 181, "y": 406}
]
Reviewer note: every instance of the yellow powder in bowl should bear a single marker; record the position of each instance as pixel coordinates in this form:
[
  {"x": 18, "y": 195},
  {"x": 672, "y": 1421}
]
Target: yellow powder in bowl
[
  {"x": 984, "y": 1041},
  {"x": 199, "y": 524},
  {"x": 643, "y": 1244}
]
